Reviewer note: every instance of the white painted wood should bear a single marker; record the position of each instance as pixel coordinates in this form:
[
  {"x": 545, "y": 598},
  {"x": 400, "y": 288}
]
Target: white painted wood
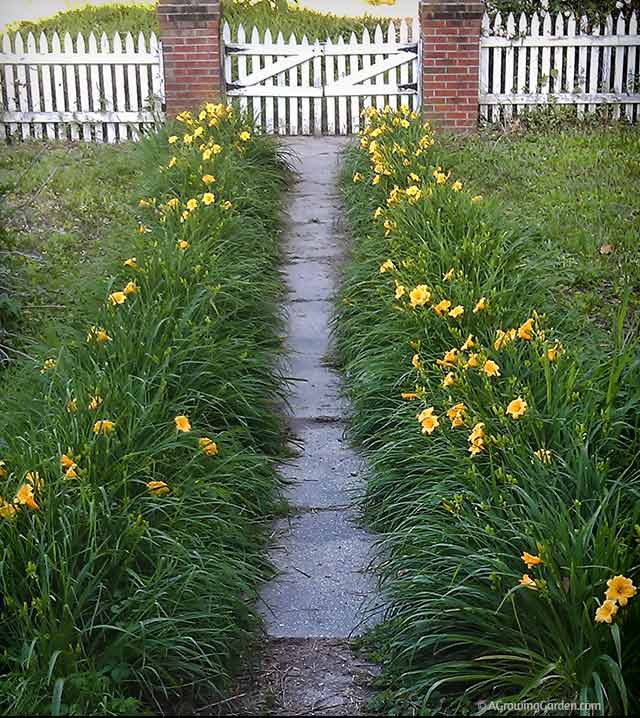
[
  {"x": 618, "y": 81},
  {"x": 605, "y": 73},
  {"x": 119, "y": 94},
  {"x": 114, "y": 118},
  {"x": 9, "y": 84},
  {"x": 281, "y": 82},
  {"x": 226, "y": 65},
  {"x": 132, "y": 84},
  {"x": 391, "y": 78},
  {"x": 403, "y": 76},
  {"x": 570, "y": 64},
  {"x": 269, "y": 101},
  {"x": 563, "y": 98},
  {"x": 496, "y": 80},
  {"x": 416, "y": 74},
  {"x": 256, "y": 102},
  {"x": 21, "y": 87},
  {"x": 594, "y": 71},
  {"x": 342, "y": 100},
  {"x": 305, "y": 103},
  {"x": 294, "y": 102},
  {"x": 70, "y": 85},
  {"x": 83, "y": 83},
  {"x": 522, "y": 59},
  {"x": 242, "y": 67},
  {"x": 34, "y": 86},
  {"x": 581, "y": 81},
  {"x": 96, "y": 89},
  {"x": 545, "y": 78},
  {"x": 60, "y": 58},
  {"x": 509, "y": 85},
  {"x": 107, "y": 89},
  {"x": 330, "y": 103},
  {"x": 484, "y": 67},
  {"x": 355, "y": 100},
  {"x": 321, "y": 71},
  {"x": 157, "y": 76},
  {"x": 317, "y": 85},
  {"x": 366, "y": 63},
  {"x": 558, "y": 56},
  {"x": 552, "y": 41},
  {"x": 47, "y": 97},
  {"x": 534, "y": 56},
  {"x": 376, "y": 79},
  {"x": 143, "y": 75},
  {"x": 632, "y": 70}
]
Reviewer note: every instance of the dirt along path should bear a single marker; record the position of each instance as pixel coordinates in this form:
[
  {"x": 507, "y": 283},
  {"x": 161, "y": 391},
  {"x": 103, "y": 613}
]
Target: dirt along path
[{"x": 322, "y": 597}]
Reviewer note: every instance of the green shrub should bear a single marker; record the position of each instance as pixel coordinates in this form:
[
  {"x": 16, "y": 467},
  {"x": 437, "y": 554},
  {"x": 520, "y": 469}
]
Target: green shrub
[
  {"x": 132, "y": 582},
  {"x": 462, "y": 488},
  {"x": 123, "y": 18}
]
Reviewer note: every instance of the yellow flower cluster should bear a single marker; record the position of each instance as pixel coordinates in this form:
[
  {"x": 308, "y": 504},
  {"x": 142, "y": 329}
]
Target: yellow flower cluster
[
  {"x": 393, "y": 146},
  {"x": 619, "y": 590},
  {"x": 25, "y": 496}
]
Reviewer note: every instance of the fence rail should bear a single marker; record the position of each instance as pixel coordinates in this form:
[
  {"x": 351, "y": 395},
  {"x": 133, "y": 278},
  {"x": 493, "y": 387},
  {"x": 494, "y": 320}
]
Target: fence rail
[
  {"x": 541, "y": 59},
  {"x": 94, "y": 89},
  {"x": 296, "y": 86}
]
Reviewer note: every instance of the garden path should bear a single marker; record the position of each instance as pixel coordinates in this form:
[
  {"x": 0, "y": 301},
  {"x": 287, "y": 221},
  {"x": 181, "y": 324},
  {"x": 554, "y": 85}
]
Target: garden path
[{"x": 322, "y": 596}]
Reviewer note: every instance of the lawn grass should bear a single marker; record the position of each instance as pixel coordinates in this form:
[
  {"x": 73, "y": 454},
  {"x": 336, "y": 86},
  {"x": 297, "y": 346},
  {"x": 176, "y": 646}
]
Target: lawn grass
[
  {"x": 486, "y": 447},
  {"x": 577, "y": 190},
  {"x": 68, "y": 210},
  {"x": 138, "y": 446},
  {"x": 133, "y": 18}
]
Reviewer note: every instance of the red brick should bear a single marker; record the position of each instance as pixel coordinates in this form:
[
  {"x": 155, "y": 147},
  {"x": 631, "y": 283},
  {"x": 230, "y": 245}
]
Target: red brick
[{"x": 450, "y": 61}]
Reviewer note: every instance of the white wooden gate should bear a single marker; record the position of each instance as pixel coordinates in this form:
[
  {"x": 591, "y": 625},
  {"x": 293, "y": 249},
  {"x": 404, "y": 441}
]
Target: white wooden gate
[{"x": 304, "y": 87}]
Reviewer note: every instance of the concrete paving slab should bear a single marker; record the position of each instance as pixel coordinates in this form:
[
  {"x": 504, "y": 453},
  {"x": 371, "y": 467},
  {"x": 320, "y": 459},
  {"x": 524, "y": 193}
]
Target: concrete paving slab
[
  {"x": 316, "y": 391},
  {"x": 322, "y": 589},
  {"x": 306, "y": 328},
  {"x": 310, "y": 280},
  {"x": 327, "y": 472}
]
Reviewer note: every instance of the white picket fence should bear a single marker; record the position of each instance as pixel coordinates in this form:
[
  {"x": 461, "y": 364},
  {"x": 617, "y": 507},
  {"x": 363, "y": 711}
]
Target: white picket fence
[
  {"x": 296, "y": 87},
  {"x": 94, "y": 90},
  {"x": 563, "y": 59}
]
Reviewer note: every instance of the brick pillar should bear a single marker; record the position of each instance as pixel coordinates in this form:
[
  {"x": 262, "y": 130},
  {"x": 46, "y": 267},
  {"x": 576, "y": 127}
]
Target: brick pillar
[
  {"x": 190, "y": 34},
  {"x": 450, "y": 33}
]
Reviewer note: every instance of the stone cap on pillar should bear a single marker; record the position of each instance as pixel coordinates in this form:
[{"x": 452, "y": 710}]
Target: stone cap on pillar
[{"x": 452, "y": 9}]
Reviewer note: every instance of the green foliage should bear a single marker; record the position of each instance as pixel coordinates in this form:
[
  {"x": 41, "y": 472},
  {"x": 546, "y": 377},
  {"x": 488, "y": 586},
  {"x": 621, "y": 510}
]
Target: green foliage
[
  {"x": 279, "y": 16},
  {"x": 288, "y": 18},
  {"x": 114, "y": 599},
  {"x": 461, "y": 629},
  {"x": 64, "y": 208},
  {"x": 118, "y": 17},
  {"x": 591, "y": 8}
]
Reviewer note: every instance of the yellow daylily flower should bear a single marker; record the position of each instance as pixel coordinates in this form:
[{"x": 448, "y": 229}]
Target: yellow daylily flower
[
  {"x": 158, "y": 488},
  {"x": 104, "y": 426},
  {"x": 517, "y": 408},
  {"x": 182, "y": 423},
  {"x": 620, "y": 589},
  {"x": 606, "y": 612},
  {"x": 208, "y": 446}
]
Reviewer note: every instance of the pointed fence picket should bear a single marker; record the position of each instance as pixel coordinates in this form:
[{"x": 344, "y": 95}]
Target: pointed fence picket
[
  {"x": 88, "y": 88},
  {"x": 561, "y": 60},
  {"x": 342, "y": 76}
]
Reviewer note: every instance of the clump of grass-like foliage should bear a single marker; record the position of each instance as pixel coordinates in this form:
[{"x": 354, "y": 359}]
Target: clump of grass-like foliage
[
  {"x": 137, "y": 460},
  {"x": 504, "y": 454}
]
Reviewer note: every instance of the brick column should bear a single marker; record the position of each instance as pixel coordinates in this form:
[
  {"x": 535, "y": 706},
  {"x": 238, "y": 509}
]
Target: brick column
[
  {"x": 190, "y": 34},
  {"x": 450, "y": 33}
]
